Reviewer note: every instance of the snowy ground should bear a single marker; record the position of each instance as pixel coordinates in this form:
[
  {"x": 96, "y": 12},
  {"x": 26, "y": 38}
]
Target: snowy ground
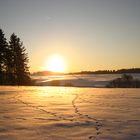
[{"x": 66, "y": 113}]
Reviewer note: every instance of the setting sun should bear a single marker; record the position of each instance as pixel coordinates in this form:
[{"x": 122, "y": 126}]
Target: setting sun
[{"x": 56, "y": 63}]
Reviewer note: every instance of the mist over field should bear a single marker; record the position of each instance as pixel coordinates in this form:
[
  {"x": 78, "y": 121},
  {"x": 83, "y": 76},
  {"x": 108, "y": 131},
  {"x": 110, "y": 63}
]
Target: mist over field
[{"x": 79, "y": 80}]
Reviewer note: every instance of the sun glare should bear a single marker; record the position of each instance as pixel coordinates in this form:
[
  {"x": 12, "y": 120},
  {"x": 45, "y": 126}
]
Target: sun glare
[{"x": 56, "y": 63}]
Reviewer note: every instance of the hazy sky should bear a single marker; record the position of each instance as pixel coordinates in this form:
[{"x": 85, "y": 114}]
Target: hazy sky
[{"x": 89, "y": 34}]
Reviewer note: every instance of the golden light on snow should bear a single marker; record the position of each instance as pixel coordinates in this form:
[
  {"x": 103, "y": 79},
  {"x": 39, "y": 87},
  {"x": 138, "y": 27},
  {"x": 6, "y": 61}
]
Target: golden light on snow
[{"x": 55, "y": 63}]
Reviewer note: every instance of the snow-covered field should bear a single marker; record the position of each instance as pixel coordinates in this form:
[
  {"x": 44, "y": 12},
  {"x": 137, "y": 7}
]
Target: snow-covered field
[
  {"x": 84, "y": 80},
  {"x": 68, "y": 113}
]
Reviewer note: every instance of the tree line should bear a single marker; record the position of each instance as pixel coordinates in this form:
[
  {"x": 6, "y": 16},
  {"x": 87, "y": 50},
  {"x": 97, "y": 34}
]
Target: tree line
[
  {"x": 120, "y": 71},
  {"x": 14, "y": 60}
]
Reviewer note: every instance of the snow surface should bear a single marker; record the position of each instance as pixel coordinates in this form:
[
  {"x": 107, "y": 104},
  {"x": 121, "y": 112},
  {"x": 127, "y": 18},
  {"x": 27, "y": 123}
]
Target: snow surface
[{"x": 68, "y": 113}]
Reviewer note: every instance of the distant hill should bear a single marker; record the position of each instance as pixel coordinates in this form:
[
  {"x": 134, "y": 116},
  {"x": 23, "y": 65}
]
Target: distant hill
[
  {"x": 45, "y": 73},
  {"x": 120, "y": 71}
]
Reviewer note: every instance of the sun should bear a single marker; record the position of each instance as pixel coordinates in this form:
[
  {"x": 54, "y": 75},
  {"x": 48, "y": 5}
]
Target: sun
[{"x": 55, "y": 63}]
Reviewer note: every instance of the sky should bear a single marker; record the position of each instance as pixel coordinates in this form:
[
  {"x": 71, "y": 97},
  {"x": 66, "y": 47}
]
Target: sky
[{"x": 88, "y": 34}]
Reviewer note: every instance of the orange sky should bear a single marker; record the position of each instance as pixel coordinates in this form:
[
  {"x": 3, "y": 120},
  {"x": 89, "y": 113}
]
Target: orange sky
[{"x": 89, "y": 35}]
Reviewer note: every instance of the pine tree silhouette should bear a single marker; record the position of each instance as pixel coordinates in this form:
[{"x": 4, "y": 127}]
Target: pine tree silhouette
[
  {"x": 3, "y": 46},
  {"x": 19, "y": 61}
]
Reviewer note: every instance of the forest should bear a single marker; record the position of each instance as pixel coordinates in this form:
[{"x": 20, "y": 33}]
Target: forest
[{"x": 14, "y": 69}]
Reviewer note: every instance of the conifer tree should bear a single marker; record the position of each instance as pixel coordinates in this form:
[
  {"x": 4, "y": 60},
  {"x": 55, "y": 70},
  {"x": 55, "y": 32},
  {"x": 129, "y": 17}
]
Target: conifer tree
[
  {"x": 3, "y": 46},
  {"x": 19, "y": 61}
]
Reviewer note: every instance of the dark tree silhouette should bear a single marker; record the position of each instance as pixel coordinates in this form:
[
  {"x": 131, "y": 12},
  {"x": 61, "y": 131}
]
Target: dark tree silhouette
[
  {"x": 9, "y": 66},
  {"x": 18, "y": 65},
  {"x": 126, "y": 81},
  {"x": 14, "y": 68},
  {"x": 3, "y": 46}
]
